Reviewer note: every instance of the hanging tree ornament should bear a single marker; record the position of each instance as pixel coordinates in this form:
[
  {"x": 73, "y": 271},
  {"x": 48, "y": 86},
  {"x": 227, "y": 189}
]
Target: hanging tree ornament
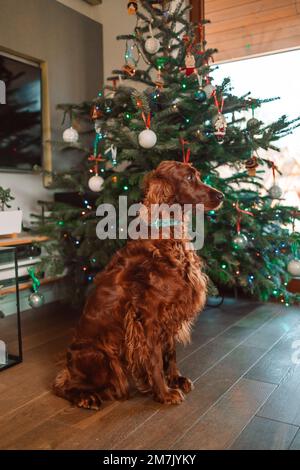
[
  {"x": 219, "y": 120},
  {"x": 209, "y": 89},
  {"x": 96, "y": 182},
  {"x": 96, "y": 112},
  {"x": 112, "y": 153},
  {"x": 131, "y": 61},
  {"x": 129, "y": 70},
  {"x": 200, "y": 94},
  {"x": 293, "y": 266},
  {"x": 240, "y": 241},
  {"x": 252, "y": 123},
  {"x": 147, "y": 138},
  {"x": 132, "y": 7},
  {"x": 275, "y": 192},
  {"x": 35, "y": 299},
  {"x": 152, "y": 45},
  {"x": 70, "y": 135},
  {"x": 190, "y": 64},
  {"x": 251, "y": 165}
]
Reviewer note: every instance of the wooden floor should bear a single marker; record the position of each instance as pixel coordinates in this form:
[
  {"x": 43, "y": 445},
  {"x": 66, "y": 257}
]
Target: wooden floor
[{"x": 246, "y": 396}]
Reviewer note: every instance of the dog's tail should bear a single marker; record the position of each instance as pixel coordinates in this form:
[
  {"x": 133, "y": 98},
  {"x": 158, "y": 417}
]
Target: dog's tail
[{"x": 61, "y": 383}]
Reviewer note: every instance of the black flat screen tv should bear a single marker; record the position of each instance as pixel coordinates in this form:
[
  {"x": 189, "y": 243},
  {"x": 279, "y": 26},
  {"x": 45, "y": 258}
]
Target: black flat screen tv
[{"x": 21, "y": 140}]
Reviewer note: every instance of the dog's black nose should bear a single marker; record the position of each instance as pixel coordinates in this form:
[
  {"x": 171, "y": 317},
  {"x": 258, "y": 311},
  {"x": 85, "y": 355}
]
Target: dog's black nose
[{"x": 220, "y": 196}]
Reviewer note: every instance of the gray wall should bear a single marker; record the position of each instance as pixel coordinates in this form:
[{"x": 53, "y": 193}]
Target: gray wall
[{"x": 71, "y": 44}]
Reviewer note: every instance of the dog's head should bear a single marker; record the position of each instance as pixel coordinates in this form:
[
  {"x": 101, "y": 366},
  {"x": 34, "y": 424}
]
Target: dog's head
[{"x": 175, "y": 182}]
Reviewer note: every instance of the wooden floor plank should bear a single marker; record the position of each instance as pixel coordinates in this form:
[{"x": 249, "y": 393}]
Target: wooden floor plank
[
  {"x": 284, "y": 404},
  {"x": 265, "y": 434},
  {"x": 208, "y": 389},
  {"x": 277, "y": 363},
  {"x": 295, "y": 445},
  {"x": 220, "y": 426},
  {"x": 227, "y": 342},
  {"x": 46, "y": 436},
  {"x": 31, "y": 378},
  {"x": 27, "y": 417},
  {"x": 207, "y": 356},
  {"x": 132, "y": 414}
]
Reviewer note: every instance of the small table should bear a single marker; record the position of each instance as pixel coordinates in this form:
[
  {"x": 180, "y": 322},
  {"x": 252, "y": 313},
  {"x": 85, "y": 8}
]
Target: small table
[{"x": 11, "y": 352}]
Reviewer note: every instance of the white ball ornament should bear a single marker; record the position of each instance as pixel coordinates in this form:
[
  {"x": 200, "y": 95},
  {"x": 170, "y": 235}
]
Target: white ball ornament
[
  {"x": 208, "y": 90},
  {"x": 275, "y": 192},
  {"x": 96, "y": 183},
  {"x": 70, "y": 136},
  {"x": 147, "y": 139},
  {"x": 152, "y": 45},
  {"x": 240, "y": 241},
  {"x": 294, "y": 267},
  {"x": 36, "y": 300}
]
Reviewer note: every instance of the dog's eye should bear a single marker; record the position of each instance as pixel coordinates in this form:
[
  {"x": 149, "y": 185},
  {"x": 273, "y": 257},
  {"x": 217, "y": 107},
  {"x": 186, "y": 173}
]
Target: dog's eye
[{"x": 190, "y": 177}]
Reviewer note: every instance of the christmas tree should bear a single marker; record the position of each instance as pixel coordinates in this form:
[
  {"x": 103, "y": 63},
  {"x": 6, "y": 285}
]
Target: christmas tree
[{"x": 177, "y": 113}]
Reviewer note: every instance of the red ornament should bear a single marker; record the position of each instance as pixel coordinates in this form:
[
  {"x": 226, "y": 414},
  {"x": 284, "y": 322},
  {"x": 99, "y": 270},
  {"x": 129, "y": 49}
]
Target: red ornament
[
  {"x": 96, "y": 112},
  {"x": 132, "y": 7},
  {"x": 128, "y": 70}
]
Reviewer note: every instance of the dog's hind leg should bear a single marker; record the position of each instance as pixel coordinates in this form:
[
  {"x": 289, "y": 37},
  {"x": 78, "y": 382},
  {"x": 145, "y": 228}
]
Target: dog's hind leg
[
  {"x": 90, "y": 377},
  {"x": 78, "y": 393}
]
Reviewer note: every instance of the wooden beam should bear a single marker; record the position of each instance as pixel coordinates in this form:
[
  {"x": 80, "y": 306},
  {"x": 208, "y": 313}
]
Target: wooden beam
[
  {"x": 197, "y": 12},
  {"x": 22, "y": 239},
  {"x": 28, "y": 285}
]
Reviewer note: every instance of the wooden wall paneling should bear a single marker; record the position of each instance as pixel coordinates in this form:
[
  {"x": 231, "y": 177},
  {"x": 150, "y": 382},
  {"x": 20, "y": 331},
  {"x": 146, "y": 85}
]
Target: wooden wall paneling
[{"x": 244, "y": 28}]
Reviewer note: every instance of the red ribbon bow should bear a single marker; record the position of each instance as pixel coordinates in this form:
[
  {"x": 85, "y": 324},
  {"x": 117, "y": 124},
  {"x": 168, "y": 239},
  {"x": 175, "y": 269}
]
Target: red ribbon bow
[
  {"x": 96, "y": 159},
  {"x": 147, "y": 120},
  {"x": 219, "y": 104},
  {"x": 185, "y": 153},
  {"x": 240, "y": 211}
]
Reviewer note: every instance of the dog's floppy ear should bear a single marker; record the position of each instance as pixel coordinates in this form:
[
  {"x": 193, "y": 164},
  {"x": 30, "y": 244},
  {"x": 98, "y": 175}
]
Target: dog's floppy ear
[{"x": 157, "y": 190}]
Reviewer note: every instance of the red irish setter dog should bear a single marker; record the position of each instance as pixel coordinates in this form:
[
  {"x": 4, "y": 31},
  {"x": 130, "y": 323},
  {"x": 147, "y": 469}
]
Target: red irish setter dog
[{"x": 143, "y": 301}]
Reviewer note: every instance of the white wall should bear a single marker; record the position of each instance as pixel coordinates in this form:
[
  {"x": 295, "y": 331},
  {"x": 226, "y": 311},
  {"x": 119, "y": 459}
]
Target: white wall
[
  {"x": 92, "y": 12},
  {"x": 27, "y": 189},
  {"x": 115, "y": 20}
]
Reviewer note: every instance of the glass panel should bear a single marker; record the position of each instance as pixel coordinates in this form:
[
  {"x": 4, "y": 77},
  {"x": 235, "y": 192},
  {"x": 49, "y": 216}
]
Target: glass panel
[
  {"x": 9, "y": 341},
  {"x": 270, "y": 76}
]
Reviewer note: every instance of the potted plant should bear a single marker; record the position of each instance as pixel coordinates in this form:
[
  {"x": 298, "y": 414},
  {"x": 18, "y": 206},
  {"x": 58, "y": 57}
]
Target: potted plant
[{"x": 10, "y": 221}]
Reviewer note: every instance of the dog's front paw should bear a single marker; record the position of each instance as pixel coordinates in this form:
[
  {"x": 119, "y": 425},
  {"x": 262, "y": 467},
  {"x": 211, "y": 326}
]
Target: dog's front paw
[
  {"x": 185, "y": 384},
  {"x": 88, "y": 401},
  {"x": 174, "y": 396}
]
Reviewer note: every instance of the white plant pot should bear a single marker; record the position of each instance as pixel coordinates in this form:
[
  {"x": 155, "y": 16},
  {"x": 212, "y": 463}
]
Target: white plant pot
[{"x": 10, "y": 222}]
